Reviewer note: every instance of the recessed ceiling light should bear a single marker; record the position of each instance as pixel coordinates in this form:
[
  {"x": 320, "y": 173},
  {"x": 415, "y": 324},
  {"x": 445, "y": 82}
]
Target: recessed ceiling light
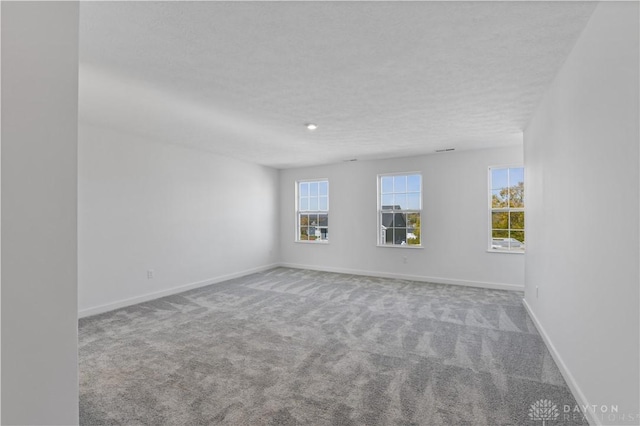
[{"x": 311, "y": 126}]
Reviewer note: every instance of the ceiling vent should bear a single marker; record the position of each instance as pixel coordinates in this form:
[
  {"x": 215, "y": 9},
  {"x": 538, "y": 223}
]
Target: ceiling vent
[{"x": 445, "y": 150}]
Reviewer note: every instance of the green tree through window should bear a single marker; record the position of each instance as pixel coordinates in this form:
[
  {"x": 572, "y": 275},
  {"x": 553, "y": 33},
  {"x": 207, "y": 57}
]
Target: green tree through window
[{"x": 507, "y": 208}]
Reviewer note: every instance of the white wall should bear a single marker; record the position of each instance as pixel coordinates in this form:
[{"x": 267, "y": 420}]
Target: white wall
[
  {"x": 39, "y": 190},
  {"x": 581, "y": 159},
  {"x": 190, "y": 216},
  {"x": 454, "y": 221}
]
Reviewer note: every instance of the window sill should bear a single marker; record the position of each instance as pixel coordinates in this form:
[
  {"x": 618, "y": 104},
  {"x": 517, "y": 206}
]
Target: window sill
[
  {"x": 407, "y": 246},
  {"x": 320, "y": 242},
  {"x": 505, "y": 251}
]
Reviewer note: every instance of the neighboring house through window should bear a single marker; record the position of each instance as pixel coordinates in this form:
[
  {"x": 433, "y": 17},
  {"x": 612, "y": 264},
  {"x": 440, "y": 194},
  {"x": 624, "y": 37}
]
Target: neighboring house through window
[
  {"x": 399, "y": 209},
  {"x": 506, "y": 209},
  {"x": 312, "y": 211}
]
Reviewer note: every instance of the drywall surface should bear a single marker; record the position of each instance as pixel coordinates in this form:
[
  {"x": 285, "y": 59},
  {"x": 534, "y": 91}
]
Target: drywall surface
[
  {"x": 581, "y": 159},
  {"x": 155, "y": 218},
  {"x": 454, "y": 221},
  {"x": 39, "y": 201}
]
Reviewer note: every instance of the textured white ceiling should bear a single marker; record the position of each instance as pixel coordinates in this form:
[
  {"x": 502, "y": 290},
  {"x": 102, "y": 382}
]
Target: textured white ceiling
[{"x": 381, "y": 79}]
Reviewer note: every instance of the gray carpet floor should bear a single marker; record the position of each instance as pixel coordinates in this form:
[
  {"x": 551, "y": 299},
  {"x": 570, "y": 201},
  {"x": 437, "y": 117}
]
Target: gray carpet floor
[{"x": 295, "y": 347}]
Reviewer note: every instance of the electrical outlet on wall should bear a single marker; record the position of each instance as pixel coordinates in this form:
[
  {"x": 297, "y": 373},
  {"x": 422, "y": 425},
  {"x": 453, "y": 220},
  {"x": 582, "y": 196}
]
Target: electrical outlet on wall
[
  {"x": 150, "y": 274},
  {"x": 404, "y": 259}
]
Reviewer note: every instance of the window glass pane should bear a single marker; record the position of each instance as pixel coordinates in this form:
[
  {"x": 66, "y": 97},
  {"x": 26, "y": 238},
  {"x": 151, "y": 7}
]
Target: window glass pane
[
  {"x": 400, "y": 202},
  {"x": 499, "y": 178},
  {"x": 323, "y": 187},
  {"x": 500, "y": 220},
  {"x": 313, "y": 197},
  {"x": 516, "y": 195},
  {"x": 516, "y": 175},
  {"x": 413, "y": 183},
  {"x": 399, "y": 236},
  {"x": 507, "y": 194},
  {"x": 324, "y": 234},
  {"x": 516, "y": 220},
  {"x": 323, "y": 220},
  {"x": 521, "y": 203},
  {"x": 413, "y": 220},
  {"x": 399, "y": 193},
  {"x": 386, "y": 184},
  {"x": 413, "y": 201},
  {"x": 304, "y": 189},
  {"x": 413, "y": 228},
  {"x": 399, "y": 184},
  {"x": 388, "y": 236},
  {"x": 500, "y": 234},
  {"x": 313, "y": 188},
  {"x": 313, "y": 233},
  {"x": 304, "y": 203},
  {"x": 500, "y": 240},
  {"x": 499, "y": 198},
  {"x": 399, "y": 219},
  {"x": 323, "y": 204},
  {"x": 387, "y": 220},
  {"x": 303, "y": 233},
  {"x": 517, "y": 238}
]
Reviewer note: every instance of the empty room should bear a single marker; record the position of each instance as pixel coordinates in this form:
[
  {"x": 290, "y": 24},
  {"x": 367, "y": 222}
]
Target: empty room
[{"x": 320, "y": 213}]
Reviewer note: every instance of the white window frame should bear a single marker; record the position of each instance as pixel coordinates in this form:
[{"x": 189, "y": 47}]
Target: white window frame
[
  {"x": 491, "y": 209},
  {"x": 300, "y": 211},
  {"x": 381, "y": 240}
]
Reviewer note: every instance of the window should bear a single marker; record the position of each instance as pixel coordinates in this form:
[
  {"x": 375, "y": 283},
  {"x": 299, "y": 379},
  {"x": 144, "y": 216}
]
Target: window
[
  {"x": 312, "y": 211},
  {"x": 506, "y": 209},
  {"x": 399, "y": 208}
]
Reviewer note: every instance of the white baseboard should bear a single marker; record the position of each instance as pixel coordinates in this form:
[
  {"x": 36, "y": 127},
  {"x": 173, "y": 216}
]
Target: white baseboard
[
  {"x": 581, "y": 400},
  {"x": 168, "y": 292},
  {"x": 421, "y": 278}
]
